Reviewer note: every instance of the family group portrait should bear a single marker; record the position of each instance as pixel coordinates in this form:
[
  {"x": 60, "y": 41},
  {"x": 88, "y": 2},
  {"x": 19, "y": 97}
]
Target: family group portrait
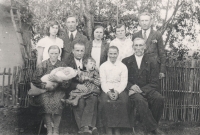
[{"x": 99, "y": 67}]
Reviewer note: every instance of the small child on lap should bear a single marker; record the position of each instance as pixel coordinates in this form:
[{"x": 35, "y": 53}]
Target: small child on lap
[{"x": 90, "y": 78}]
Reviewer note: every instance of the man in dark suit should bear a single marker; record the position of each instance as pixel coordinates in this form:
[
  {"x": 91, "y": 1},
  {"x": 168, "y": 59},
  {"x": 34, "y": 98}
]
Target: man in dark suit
[
  {"x": 154, "y": 42},
  {"x": 143, "y": 82},
  {"x": 71, "y": 37},
  {"x": 86, "y": 111}
]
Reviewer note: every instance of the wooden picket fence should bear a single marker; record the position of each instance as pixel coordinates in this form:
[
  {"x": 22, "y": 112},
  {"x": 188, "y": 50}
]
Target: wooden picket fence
[
  {"x": 15, "y": 83},
  {"x": 180, "y": 88}
]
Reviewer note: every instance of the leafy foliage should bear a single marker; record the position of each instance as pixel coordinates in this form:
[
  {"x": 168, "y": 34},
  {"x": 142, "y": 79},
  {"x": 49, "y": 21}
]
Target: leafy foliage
[{"x": 175, "y": 19}]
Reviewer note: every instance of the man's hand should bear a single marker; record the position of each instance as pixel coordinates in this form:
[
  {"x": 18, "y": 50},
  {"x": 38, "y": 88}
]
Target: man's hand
[
  {"x": 55, "y": 78},
  {"x": 161, "y": 75},
  {"x": 82, "y": 87},
  {"x": 136, "y": 89}
]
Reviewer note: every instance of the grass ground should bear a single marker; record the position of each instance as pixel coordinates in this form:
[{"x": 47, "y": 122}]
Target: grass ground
[{"x": 26, "y": 122}]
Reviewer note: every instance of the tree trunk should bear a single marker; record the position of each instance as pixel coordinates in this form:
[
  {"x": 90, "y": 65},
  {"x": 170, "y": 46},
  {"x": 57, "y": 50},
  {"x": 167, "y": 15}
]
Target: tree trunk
[
  {"x": 87, "y": 13},
  {"x": 90, "y": 19}
]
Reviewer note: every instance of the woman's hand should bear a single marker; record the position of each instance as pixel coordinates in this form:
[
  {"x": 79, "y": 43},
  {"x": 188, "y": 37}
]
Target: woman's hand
[
  {"x": 116, "y": 95},
  {"x": 113, "y": 95}
]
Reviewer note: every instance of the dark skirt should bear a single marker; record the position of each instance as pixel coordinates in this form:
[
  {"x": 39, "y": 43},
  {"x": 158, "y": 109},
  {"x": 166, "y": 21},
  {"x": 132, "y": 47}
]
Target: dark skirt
[
  {"x": 50, "y": 102},
  {"x": 113, "y": 113}
]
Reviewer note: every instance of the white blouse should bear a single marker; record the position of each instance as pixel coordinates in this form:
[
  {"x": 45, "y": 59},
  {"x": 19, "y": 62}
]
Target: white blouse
[
  {"x": 96, "y": 53},
  {"x": 113, "y": 76},
  {"x": 46, "y": 42}
]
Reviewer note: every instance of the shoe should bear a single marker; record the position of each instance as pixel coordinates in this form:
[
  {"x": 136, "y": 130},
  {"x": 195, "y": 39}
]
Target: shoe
[
  {"x": 95, "y": 131},
  {"x": 85, "y": 131}
]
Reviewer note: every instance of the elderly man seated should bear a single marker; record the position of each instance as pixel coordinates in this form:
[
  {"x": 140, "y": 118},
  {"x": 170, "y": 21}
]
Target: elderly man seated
[
  {"x": 113, "y": 106},
  {"x": 143, "y": 82}
]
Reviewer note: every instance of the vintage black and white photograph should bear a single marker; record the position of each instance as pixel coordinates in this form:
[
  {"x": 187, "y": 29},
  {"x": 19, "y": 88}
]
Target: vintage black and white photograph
[{"x": 99, "y": 67}]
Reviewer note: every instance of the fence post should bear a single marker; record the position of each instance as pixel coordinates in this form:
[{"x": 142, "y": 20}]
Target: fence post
[{"x": 190, "y": 92}]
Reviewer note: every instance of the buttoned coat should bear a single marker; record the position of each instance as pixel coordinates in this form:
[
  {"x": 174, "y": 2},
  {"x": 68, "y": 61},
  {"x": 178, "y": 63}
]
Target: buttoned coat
[
  {"x": 146, "y": 77},
  {"x": 104, "y": 51},
  {"x": 154, "y": 47},
  {"x": 68, "y": 45}
]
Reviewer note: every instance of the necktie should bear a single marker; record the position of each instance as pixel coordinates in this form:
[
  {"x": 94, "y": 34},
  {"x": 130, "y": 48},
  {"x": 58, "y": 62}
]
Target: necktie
[
  {"x": 145, "y": 35},
  {"x": 71, "y": 37}
]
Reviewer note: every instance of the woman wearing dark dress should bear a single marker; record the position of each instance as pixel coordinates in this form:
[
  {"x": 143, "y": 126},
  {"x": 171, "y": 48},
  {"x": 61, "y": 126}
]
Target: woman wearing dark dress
[
  {"x": 97, "y": 48},
  {"x": 49, "y": 98}
]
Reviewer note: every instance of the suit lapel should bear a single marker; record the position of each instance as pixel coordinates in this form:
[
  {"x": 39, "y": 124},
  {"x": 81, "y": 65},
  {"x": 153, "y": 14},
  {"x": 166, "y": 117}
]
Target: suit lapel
[
  {"x": 148, "y": 42},
  {"x": 77, "y": 37},
  {"x": 140, "y": 34},
  {"x": 133, "y": 64}
]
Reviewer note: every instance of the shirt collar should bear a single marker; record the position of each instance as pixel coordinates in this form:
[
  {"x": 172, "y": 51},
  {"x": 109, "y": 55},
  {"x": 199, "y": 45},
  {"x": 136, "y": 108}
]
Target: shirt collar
[
  {"x": 80, "y": 61},
  {"x": 74, "y": 33},
  {"x": 139, "y": 57}
]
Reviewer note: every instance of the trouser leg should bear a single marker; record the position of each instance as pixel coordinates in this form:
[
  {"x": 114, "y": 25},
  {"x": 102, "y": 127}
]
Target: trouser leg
[
  {"x": 89, "y": 115},
  {"x": 78, "y": 111},
  {"x": 56, "y": 120},
  {"x": 141, "y": 105},
  {"x": 156, "y": 105},
  {"x": 48, "y": 121}
]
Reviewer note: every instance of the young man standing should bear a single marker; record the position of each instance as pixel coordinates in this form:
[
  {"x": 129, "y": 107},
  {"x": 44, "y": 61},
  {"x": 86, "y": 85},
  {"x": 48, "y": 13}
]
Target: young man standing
[{"x": 71, "y": 36}]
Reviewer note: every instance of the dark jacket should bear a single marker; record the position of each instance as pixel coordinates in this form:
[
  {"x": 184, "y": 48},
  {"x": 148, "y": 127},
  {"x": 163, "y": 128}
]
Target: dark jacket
[
  {"x": 71, "y": 63},
  {"x": 104, "y": 51},
  {"x": 155, "y": 47},
  {"x": 146, "y": 77},
  {"x": 68, "y": 45}
]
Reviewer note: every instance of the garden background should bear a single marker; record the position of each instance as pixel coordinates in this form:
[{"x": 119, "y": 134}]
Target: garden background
[{"x": 177, "y": 20}]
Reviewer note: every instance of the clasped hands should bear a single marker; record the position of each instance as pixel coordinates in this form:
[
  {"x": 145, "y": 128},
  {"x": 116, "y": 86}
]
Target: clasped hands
[{"x": 113, "y": 95}]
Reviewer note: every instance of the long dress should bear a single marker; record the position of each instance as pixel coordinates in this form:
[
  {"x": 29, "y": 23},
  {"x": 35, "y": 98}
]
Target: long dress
[
  {"x": 50, "y": 101},
  {"x": 113, "y": 113}
]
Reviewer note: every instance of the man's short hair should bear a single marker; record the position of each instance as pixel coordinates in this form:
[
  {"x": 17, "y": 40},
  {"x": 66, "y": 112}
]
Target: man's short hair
[
  {"x": 54, "y": 47},
  {"x": 85, "y": 61},
  {"x": 136, "y": 39},
  {"x": 113, "y": 47},
  {"x": 79, "y": 43},
  {"x": 145, "y": 13},
  {"x": 72, "y": 15}
]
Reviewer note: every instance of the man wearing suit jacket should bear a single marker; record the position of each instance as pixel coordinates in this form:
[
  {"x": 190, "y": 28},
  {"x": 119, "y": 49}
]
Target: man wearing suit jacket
[
  {"x": 86, "y": 111},
  {"x": 71, "y": 37},
  {"x": 154, "y": 41},
  {"x": 143, "y": 82}
]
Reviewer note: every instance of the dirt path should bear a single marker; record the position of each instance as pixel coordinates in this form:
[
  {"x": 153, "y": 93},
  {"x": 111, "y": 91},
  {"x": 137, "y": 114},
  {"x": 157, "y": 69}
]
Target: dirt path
[{"x": 10, "y": 54}]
